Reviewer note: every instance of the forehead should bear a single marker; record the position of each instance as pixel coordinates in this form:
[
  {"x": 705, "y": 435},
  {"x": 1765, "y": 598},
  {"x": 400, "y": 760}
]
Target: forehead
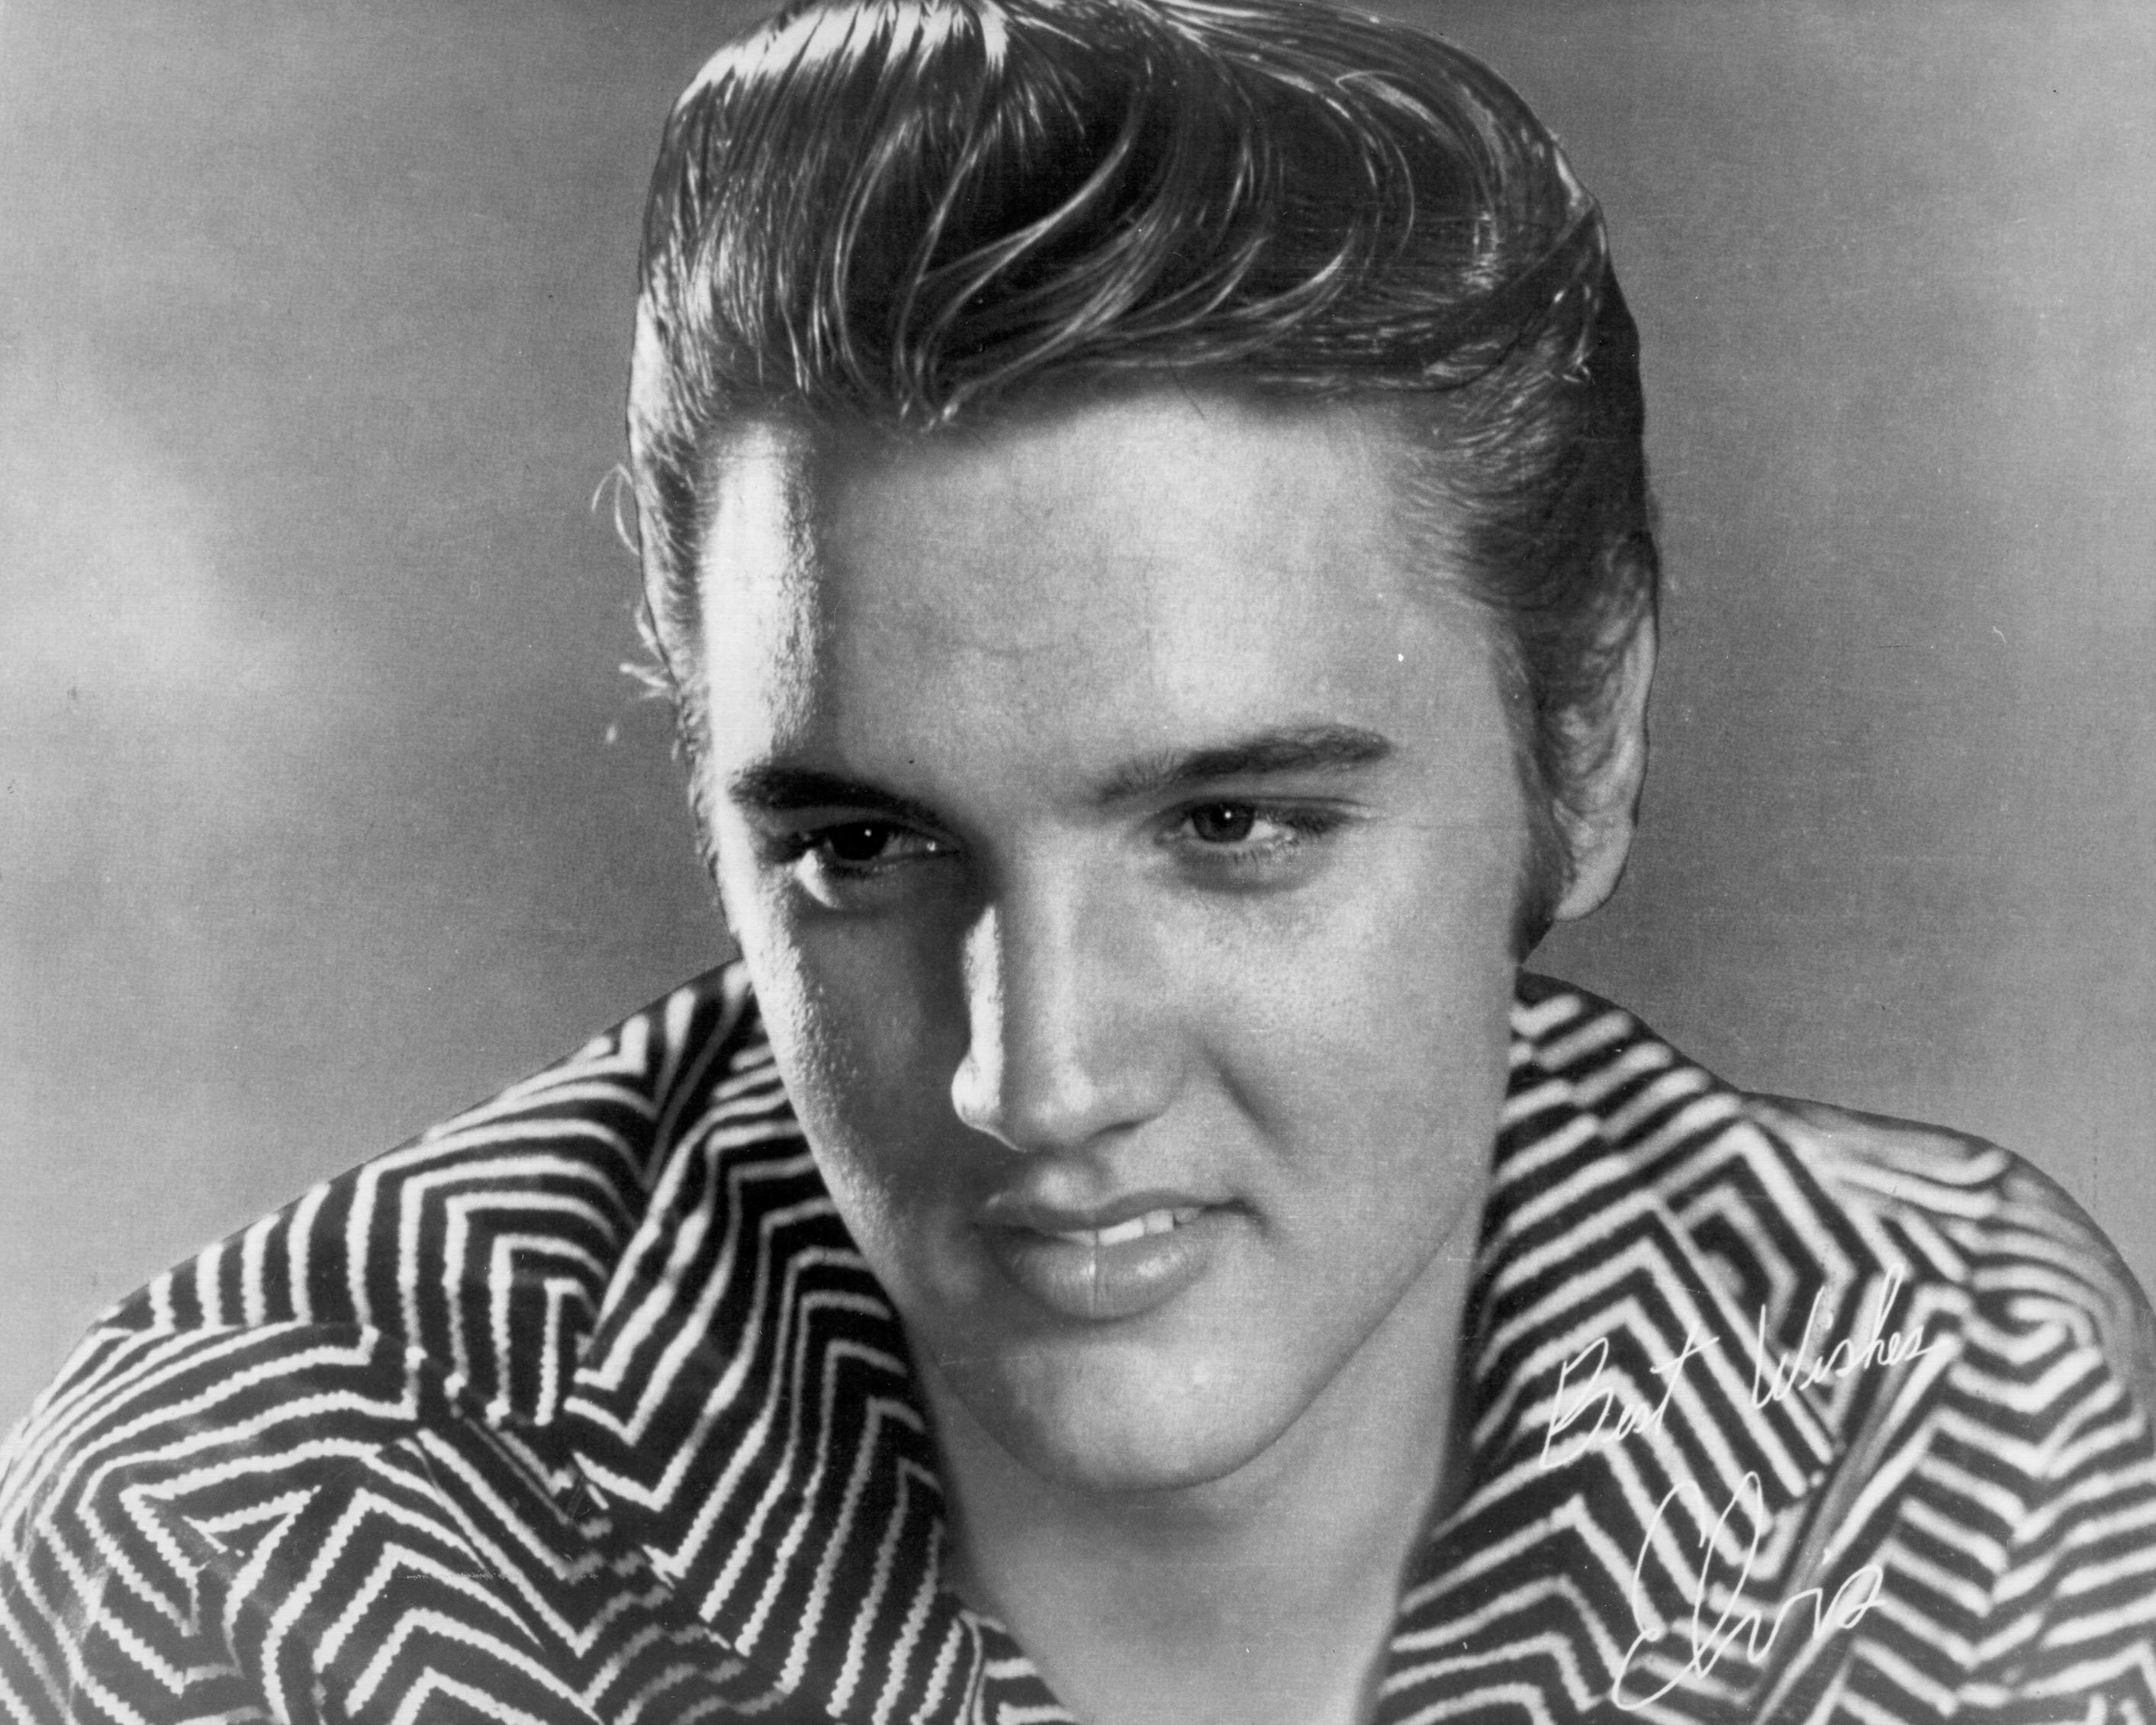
[
  {"x": 1144, "y": 566},
  {"x": 1169, "y": 457}
]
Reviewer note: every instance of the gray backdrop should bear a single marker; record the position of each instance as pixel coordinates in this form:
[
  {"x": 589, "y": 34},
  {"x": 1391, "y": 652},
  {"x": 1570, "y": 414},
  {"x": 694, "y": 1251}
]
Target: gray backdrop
[{"x": 324, "y": 806}]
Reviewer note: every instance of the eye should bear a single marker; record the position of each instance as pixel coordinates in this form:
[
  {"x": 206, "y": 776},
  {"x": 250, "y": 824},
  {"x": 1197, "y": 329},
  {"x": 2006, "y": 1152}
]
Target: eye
[
  {"x": 1253, "y": 843},
  {"x": 857, "y": 842},
  {"x": 866, "y": 847},
  {"x": 1224, "y": 822},
  {"x": 850, "y": 864}
]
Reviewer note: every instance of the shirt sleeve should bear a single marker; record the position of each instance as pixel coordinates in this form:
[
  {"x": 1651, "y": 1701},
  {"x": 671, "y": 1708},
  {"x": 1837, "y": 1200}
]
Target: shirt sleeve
[
  {"x": 307, "y": 1524},
  {"x": 247, "y": 1524},
  {"x": 314, "y": 1473},
  {"x": 2071, "y": 1634}
]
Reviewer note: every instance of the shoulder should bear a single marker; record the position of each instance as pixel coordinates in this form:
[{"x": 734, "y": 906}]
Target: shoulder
[
  {"x": 1782, "y": 1197},
  {"x": 370, "y": 1375},
  {"x": 1974, "y": 1365},
  {"x": 1980, "y": 1219},
  {"x": 528, "y": 1191},
  {"x": 2002, "y": 1484}
]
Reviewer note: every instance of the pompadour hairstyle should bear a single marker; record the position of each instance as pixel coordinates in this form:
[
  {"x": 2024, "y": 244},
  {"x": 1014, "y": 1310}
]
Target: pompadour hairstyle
[{"x": 903, "y": 214}]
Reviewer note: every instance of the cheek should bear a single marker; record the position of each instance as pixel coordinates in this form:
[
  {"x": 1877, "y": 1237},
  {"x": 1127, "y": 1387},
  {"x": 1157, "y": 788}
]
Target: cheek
[
  {"x": 861, "y": 1021},
  {"x": 1373, "y": 1042},
  {"x": 1404, "y": 944}
]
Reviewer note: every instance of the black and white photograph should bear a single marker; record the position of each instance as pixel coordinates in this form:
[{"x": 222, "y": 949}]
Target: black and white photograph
[{"x": 977, "y": 862}]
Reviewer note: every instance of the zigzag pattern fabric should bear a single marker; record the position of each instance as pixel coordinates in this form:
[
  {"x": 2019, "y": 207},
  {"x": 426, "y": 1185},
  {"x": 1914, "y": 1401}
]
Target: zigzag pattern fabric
[{"x": 583, "y": 1408}]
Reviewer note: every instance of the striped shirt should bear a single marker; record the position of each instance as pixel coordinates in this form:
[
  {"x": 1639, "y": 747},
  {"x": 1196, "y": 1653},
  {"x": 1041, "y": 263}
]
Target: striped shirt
[{"x": 583, "y": 1407}]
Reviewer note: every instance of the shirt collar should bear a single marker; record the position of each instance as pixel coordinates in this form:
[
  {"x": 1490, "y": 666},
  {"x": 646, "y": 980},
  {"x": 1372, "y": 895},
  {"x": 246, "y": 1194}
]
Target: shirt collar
[{"x": 746, "y": 1409}]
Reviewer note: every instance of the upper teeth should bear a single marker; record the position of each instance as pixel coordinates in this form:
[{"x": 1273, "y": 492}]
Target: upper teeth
[{"x": 1152, "y": 1222}]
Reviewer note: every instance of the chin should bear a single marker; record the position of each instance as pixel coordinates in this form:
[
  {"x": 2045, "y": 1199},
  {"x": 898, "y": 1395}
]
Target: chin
[{"x": 1119, "y": 1420}]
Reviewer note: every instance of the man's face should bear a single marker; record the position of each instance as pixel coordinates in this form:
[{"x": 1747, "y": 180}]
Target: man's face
[{"x": 1122, "y": 828}]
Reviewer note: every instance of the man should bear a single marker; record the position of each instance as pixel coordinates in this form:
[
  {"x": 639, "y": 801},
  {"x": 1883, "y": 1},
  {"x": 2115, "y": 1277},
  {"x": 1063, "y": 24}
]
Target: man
[{"x": 1143, "y": 515}]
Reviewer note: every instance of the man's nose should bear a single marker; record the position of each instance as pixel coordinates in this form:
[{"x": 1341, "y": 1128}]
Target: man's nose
[{"x": 1068, "y": 1037}]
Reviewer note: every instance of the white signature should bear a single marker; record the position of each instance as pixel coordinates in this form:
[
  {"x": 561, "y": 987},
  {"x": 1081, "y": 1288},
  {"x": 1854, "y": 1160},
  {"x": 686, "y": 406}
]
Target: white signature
[
  {"x": 1709, "y": 1642},
  {"x": 1775, "y": 1377},
  {"x": 1773, "y": 1380}
]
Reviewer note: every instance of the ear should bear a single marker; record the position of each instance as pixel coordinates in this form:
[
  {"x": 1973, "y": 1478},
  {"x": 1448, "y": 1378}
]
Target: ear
[{"x": 1599, "y": 835}]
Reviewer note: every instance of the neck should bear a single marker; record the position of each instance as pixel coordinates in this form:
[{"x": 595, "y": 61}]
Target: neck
[{"x": 1265, "y": 1595}]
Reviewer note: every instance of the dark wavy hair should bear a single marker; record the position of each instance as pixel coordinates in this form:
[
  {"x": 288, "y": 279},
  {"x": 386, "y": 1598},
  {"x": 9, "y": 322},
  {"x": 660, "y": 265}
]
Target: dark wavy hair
[{"x": 902, "y": 214}]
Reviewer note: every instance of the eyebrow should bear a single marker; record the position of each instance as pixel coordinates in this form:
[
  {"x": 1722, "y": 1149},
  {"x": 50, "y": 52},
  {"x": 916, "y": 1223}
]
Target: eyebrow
[
  {"x": 774, "y": 788},
  {"x": 1302, "y": 749},
  {"x": 771, "y": 787}
]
